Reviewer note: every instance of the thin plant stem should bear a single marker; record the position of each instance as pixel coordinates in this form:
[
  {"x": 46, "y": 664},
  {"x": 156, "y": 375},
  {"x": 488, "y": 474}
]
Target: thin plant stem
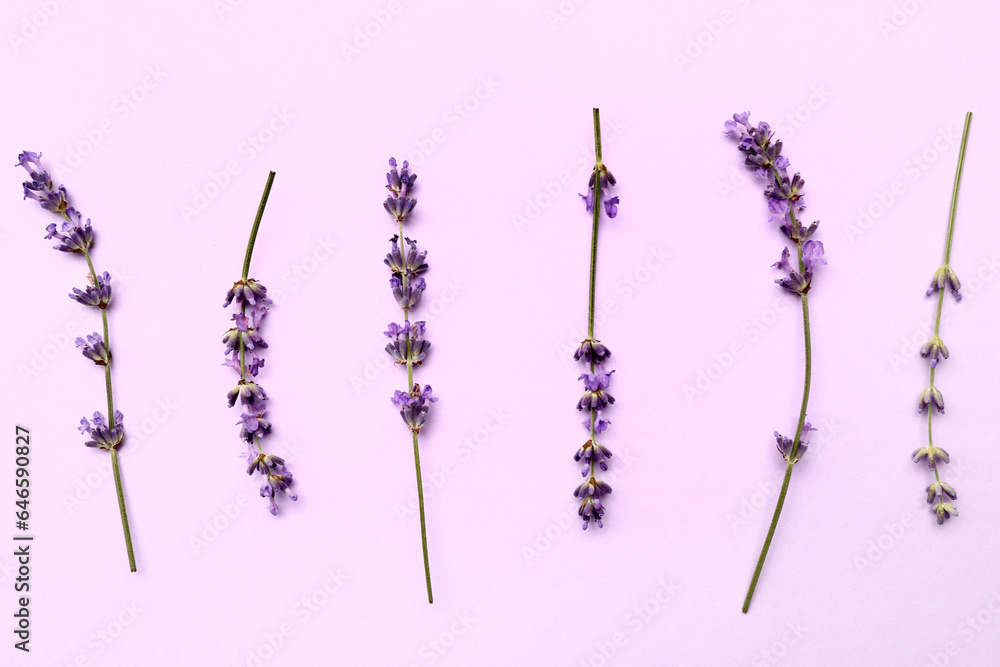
[
  {"x": 416, "y": 447},
  {"x": 111, "y": 420},
  {"x": 256, "y": 224},
  {"x": 954, "y": 190},
  {"x": 597, "y": 221},
  {"x": 798, "y": 432}
]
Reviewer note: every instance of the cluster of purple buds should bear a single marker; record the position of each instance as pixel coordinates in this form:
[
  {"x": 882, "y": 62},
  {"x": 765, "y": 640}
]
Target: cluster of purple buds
[
  {"x": 407, "y": 345},
  {"x": 413, "y": 406},
  {"x": 101, "y": 435},
  {"x": 946, "y": 276},
  {"x": 407, "y": 342},
  {"x": 934, "y": 350},
  {"x": 938, "y": 491},
  {"x": 75, "y": 235},
  {"x": 787, "y": 445},
  {"x": 97, "y": 295},
  {"x": 399, "y": 203},
  {"x": 784, "y": 200},
  {"x": 40, "y": 186},
  {"x": 244, "y": 347},
  {"x": 94, "y": 349},
  {"x": 607, "y": 181}
]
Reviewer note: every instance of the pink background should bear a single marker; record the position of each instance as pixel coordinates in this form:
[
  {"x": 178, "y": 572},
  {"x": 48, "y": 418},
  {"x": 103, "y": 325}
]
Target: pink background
[{"x": 492, "y": 103}]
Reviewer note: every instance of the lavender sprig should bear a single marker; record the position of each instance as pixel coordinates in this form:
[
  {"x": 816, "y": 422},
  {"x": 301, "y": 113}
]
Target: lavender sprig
[
  {"x": 407, "y": 344},
  {"x": 593, "y": 354},
  {"x": 243, "y": 348},
  {"x": 784, "y": 202},
  {"x": 939, "y": 493},
  {"x": 77, "y": 237}
]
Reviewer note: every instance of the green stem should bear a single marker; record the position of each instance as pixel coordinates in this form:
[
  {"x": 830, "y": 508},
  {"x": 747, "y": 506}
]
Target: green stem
[
  {"x": 416, "y": 447},
  {"x": 256, "y": 224},
  {"x": 954, "y": 191},
  {"x": 597, "y": 221},
  {"x": 798, "y": 433},
  {"x": 121, "y": 508},
  {"x": 111, "y": 420}
]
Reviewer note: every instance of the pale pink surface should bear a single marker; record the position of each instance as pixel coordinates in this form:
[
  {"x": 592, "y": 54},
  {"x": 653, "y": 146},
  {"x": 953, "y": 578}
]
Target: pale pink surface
[{"x": 684, "y": 268}]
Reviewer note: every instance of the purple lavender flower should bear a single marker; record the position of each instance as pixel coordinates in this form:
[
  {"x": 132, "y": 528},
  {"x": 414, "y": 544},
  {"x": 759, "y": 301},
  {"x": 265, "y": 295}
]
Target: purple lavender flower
[
  {"x": 102, "y": 435},
  {"x": 94, "y": 349},
  {"x": 73, "y": 235},
  {"x": 407, "y": 293},
  {"x": 277, "y": 481},
  {"x": 946, "y": 276},
  {"x": 254, "y": 423},
  {"x": 591, "y": 350},
  {"x": 412, "y": 263},
  {"x": 414, "y": 406},
  {"x": 593, "y": 452},
  {"x": 812, "y": 254},
  {"x": 942, "y": 489},
  {"x": 246, "y": 333},
  {"x": 784, "y": 194},
  {"x": 795, "y": 282},
  {"x": 944, "y": 511},
  {"x": 408, "y": 343},
  {"x": 244, "y": 354},
  {"x": 930, "y": 396},
  {"x": 932, "y": 454},
  {"x": 590, "y": 492},
  {"x": 97, "y": 295},
  {"x": 593, "y": 353},
  {"x": 408, "y": 346},
  {"x": 76, "y": 236},
  {"x": 786, "y": 445},
  {"x": 783, "y": 264},
  {"x": 935, "y": 350},
  {"x": 595, "y": 397},
  {"x": 607, "y": 181},
  {"x": 40, "y": 186},
  {"x": 399, "y": 204},
  {"x": 247, "y": 291}
]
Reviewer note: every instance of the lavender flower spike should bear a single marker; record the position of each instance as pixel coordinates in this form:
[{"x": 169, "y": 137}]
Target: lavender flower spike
[
  {"x": 762, "y": 153},
  {"x": 935, "y": 351},
  {"x": 76, "y": 237},
  {"x": 244, "y": 347},
  {"x": 594, "y": 354},
  {"x": 408, "y": 346}
]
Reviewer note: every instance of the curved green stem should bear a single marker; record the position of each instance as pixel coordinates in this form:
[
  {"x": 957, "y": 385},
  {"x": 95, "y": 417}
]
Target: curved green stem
[
  {"x": 798, "y": 434},
  {"x": 256, "y": 224},
  {"x": 954, "y": 190}
]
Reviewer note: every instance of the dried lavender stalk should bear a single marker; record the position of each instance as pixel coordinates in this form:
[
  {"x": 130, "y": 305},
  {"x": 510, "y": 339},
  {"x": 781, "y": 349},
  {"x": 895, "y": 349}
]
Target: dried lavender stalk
[
  {"x": 76, "y": 237},
  {"x": 935, "y": 350},
  {"x": 594, "y": 354},
  {"x": 243, "y": 347},
  {"x": 408, "y": 346},
  {"x": 784, "y": 201}
]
